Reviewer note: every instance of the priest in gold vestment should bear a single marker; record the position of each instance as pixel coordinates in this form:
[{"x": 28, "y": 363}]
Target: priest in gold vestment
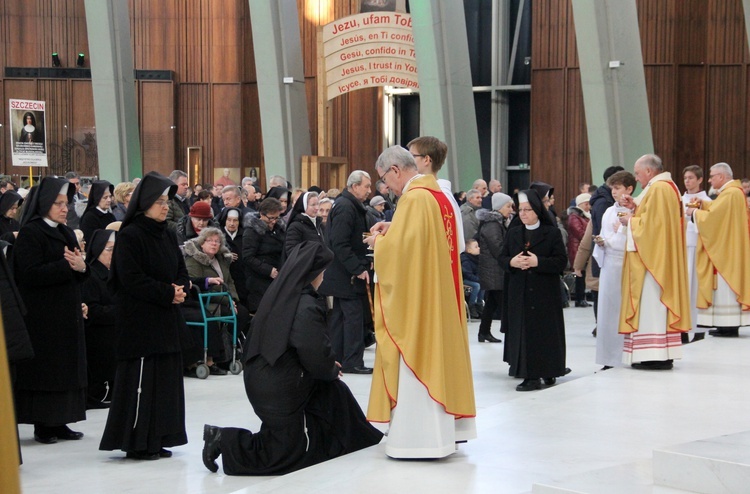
[
  {"x": 422, "y": 383},
  {"x": 723, "y": 256},
  {"x": 9, "y": 479},
  {"x": 655, "y": 300}
]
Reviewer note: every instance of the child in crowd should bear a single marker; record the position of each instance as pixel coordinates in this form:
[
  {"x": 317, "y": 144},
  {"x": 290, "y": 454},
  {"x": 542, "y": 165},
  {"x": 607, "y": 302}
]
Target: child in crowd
[{"x": 470, "y": 269}]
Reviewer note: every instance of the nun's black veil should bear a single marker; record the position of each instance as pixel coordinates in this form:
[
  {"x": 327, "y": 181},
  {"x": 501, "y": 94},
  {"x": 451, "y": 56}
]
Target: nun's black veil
[
  {"x": 278, "y": 192},
  {"x": 272, "y": 324},
  {"x": 40, "y": 198},
  {"x": 8, "y": 199},
  {"x": 96, "y": 244},
  {"x": 536, "y": 204},
  {"x": 146, "y": 193},
  {"x": 97, "y": 191}
]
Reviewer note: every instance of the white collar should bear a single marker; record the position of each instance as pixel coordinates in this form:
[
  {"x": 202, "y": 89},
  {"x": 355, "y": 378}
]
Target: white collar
[
  {"x": 662, "y": 177},
  {"x": 406, "y": 186},
  {"x": 534, "y": 226},
  {"x": 51, "y": 223},
  {"x": 105, "y": 211}
]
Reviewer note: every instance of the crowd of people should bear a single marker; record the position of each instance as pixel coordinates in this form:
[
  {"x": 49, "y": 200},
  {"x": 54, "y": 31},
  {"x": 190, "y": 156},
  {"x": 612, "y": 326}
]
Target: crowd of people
[{"x": 313, "y": 277}]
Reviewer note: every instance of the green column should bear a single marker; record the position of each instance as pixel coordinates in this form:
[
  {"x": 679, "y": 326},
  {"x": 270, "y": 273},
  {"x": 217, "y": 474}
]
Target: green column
[
  {"x": 445, "y": 89},
  {"x": 613, "y": 82},
  {"x": 113, "y": 82},
  {"x": 283, "y": 105}
]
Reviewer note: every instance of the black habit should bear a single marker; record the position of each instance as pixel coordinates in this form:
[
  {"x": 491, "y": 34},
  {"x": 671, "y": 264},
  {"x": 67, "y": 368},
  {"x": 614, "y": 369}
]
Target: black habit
[
  {"x": 291, "y": 380},
  {"x": 9, "y": 225},
  {"x": 533, "y": 317},
  {"x": 51, "y": 387},
  {"x": 148, "y": 405},
  {"x": 101, "y": 332},
  {"x": 234, "y": 242},
  {"x": 94, "y": 218}
]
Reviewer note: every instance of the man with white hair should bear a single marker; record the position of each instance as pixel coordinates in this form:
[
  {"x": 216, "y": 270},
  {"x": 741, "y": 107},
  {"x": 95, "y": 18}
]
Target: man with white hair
[
  {"x": 655, "y": 300},
  {"x": 422, "y": 382},
  {"x": 348, "y": 276},
  {"x": 469, "y": 213},
  {"x": 277, "y": 181},
  {"x": 722, "y": 260}
]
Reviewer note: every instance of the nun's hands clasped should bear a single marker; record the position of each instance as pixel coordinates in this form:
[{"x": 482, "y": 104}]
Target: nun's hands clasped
[
  {"x": 179, "y": 294},
  {"x": 524, "y": 261},
  {"x": 75, "y": 259}
]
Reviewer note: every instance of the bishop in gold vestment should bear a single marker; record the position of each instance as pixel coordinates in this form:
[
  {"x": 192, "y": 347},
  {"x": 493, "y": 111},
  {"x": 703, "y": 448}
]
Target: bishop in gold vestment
[
  {"x": 655, "y": 300},
  {"x": 723, "y": 256}
]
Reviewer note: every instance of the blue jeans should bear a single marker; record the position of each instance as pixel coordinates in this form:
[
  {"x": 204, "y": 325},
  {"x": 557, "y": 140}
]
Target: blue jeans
[{"x": 476, "y": 292}]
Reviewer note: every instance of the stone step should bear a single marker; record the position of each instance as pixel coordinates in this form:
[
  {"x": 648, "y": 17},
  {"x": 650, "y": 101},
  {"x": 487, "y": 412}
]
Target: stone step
[
  {"x": 719, "y": 465},
  {"x": 628, "y": 478}
]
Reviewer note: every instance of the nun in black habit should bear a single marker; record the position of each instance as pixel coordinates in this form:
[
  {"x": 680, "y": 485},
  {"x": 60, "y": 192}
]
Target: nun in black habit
[
  {"x": 304, "y": 223},
  {"x": 230, "y": 223},
  {"x": 9, "y": 203},
  {"x": 98, "y": 213},
  {"x": 149, "y": 282},
  {"x": 101, "y": 333},
  {"x": 292, "y": 381},
  {"x": 533, "y": 256},
  {"x": 49, "y": 268}
]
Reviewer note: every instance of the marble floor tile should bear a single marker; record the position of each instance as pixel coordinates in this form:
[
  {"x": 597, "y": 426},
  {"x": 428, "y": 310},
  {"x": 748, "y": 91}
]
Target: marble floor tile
[{"x": 591, "y": 420}]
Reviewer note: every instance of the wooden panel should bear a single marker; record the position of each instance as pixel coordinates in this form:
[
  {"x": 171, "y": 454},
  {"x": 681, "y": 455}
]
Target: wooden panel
[
  {"x": 547, "y": 125},
  {"x": 157, "y": 117},
  {"x": 690, "y": 117},
  {"x": 83, "y": 124},
  {"x": 252, "y": 139},
  {"x": 726, "y": 101},
  {"x": 195, "y": 114},
  {"x": 655, "y": 22},
  {"x": 226, "y": 135},
  {"x": 549, "y": 20},
  {"x": 577, "y": 163},
  {"x": 660, "y": 87},
  {"x": 691, "y": 25},
  {"x": 726, "y": 30}
]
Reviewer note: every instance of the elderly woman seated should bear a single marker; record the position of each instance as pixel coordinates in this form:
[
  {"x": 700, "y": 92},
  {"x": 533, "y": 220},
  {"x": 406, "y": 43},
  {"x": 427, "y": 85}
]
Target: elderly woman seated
[{"x": 207, "y": 259}]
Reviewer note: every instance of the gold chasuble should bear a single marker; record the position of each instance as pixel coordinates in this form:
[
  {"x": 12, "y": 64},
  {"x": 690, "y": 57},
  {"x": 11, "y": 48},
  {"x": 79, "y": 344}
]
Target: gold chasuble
[
  {"x": 658, "y": 234},
  {"x": 723, "y": 246},
  {"x": 8, "y": 441},
  {"x": 419, "y": 305}
]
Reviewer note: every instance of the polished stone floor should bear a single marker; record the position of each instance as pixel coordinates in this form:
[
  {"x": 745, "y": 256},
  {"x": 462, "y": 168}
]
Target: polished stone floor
[{"x": 589, "y": 422}]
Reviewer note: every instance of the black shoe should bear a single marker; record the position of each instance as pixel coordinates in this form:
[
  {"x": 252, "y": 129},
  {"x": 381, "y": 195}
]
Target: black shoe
[
  {"x": 211, "y": 446},
  {"x": 529, "y": 385},
  {"x": 190, "y": 373},
  {"x": 582, "y": 303},
  {"x": 370, "y": 339},
  {"x": 725, "y": 332},
  {"x": 653, "y": 365},
  {"x": 593, "y": 333},
  {"x": 361, "y": 369},
  {"x": 479, "y": 309},
  {"x": 606, "y": 367},
  {"x": 64, "y": 432},
  {"x": 45, "y": 435},
  {"x": 473, "y": 312},
  {"x": 165, "y": 453},
  {"x": 215, "y": 370},
  {"x": 567, "y": 371},
  {"x": 698, "y": 337},
  {"x": 142, "y": 455},
  {"x": 550, "y": 381},
  {"x": 488, "y": 338},
  {"x": 684, "y": 338}
]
